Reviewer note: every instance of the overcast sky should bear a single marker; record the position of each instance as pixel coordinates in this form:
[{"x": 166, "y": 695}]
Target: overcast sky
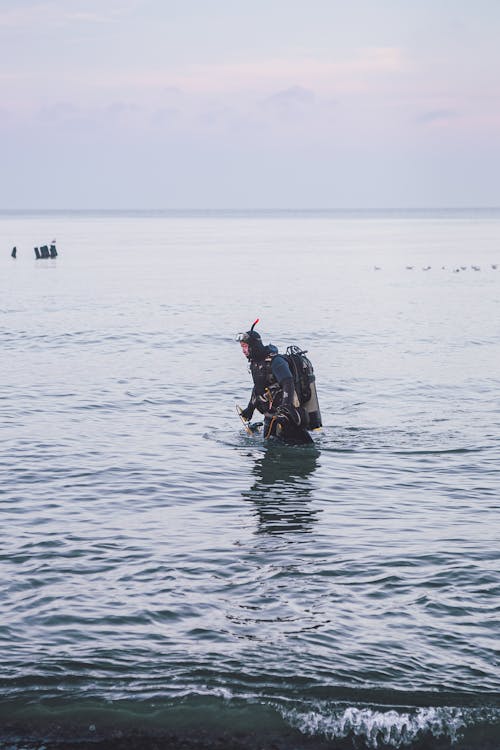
[{"x": 239, "y": 104}]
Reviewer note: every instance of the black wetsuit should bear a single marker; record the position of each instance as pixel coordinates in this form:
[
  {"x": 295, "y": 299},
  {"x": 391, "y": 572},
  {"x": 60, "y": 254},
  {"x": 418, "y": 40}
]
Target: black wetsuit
[{"x": 274, "y": 396}]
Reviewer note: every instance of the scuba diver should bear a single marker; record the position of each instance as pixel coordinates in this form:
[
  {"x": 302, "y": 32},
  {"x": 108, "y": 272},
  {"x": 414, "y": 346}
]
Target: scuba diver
[{"x": 289, "y": 403}]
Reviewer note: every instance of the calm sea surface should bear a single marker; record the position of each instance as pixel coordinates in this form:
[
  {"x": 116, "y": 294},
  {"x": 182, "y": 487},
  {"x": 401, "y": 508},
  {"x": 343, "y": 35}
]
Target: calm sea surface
[{"x": 165, "y": 577}]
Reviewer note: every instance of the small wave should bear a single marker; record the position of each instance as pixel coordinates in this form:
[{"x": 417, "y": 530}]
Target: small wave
[
  {"x": 395, "y": 442},
  {"x": 393, "y": 728},
  {"x": 440, "y": 451},
  {"x": 214, "y": 719}
]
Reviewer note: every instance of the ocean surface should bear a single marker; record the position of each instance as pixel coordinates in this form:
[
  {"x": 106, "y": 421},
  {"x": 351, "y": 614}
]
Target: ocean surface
[{"x": 167, "y": 581}]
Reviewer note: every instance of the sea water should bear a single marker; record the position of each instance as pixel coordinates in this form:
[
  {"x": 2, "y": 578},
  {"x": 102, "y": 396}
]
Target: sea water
[{"x": 168, "y": 579}]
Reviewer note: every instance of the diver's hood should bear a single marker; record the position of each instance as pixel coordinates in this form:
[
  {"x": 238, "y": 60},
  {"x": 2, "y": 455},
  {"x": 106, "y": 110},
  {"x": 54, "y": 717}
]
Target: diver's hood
[{"x": 256, "y": 348}]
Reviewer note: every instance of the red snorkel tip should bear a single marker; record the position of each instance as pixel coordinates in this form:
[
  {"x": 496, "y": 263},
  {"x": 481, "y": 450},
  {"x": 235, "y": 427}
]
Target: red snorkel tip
[{"x": 254, "y": 324}]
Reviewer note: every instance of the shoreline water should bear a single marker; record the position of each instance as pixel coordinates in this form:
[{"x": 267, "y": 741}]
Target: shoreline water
[{"x": 197, "y": 721}]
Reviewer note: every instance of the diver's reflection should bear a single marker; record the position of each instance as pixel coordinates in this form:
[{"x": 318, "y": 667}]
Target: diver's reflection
[{"x": 282, "y": 489}]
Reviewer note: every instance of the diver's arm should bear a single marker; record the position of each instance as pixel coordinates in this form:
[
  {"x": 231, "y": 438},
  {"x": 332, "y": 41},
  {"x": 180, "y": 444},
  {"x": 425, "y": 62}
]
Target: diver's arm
[
  {"x": 283, "y": 375},
  {"x": 248, "y": 412}
]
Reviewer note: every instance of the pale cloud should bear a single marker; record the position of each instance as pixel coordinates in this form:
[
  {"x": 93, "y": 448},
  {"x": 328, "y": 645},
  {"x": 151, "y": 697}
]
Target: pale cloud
[
  {"x": 165, "y": 116},
  {"x": 437, "y": 116},
  {"x": 289, "y": 106},
  {"x": 352, "y": 74},
  {"x": 293, "y": 96},
  {"x": 172, "y": 93},
  {"x": 307, "y": 73},
  {"x": 120, "y": 109},
  {"x": 51, "y": 14},
  {"x": 59, "y": 112},
  {"x": 65, "y": 117}
]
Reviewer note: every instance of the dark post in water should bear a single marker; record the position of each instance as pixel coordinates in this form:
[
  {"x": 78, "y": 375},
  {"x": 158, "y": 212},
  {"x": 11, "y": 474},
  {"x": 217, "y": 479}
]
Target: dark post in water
[{"x": 45, "y": 251}]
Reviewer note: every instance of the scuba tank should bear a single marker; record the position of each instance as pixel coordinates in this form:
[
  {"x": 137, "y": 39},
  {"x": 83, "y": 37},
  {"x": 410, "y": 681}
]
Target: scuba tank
[{"x": 305, "y": 384}]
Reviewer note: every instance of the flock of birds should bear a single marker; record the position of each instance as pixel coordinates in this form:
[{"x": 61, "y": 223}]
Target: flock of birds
[{"x": 455, "y": 269}]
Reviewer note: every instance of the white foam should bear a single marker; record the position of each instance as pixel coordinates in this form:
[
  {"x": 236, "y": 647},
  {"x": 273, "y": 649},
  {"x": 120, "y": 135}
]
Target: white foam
[{"x": 394, "y": 728}]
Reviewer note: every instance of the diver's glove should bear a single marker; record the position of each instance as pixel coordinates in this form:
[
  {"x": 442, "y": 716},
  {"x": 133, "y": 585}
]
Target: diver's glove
[
  {"x": 247, "y": 413},
  {"x": 289, "y": 413}
]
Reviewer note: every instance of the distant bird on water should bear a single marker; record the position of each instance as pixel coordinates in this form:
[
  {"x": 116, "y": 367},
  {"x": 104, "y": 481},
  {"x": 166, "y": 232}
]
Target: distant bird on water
[{"x": 14, "y": 252}]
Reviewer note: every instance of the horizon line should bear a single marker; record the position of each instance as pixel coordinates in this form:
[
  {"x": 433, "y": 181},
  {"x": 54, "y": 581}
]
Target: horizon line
[{"x": 254, "y": 209}]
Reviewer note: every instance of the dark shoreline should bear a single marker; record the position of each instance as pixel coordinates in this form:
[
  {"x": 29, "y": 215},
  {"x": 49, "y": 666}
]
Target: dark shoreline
[
  {"x": 200, "y": 739},
  {"x": 186, "y": 740}
]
